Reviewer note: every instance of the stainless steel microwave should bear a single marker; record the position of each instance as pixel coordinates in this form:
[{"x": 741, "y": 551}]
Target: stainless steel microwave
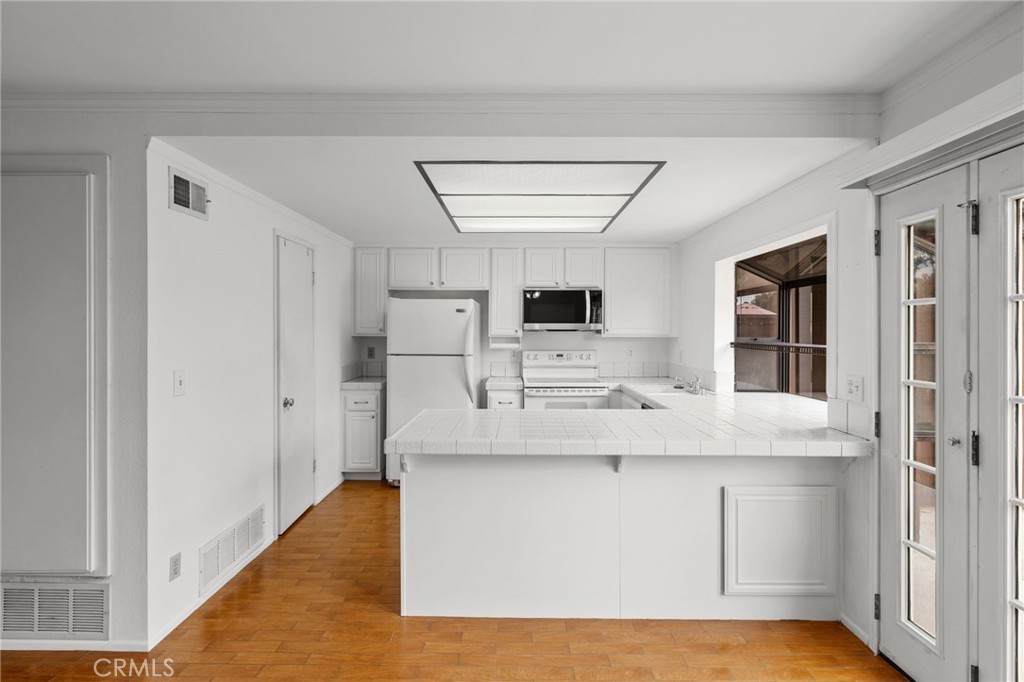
[{"x": 559, "y": 310}]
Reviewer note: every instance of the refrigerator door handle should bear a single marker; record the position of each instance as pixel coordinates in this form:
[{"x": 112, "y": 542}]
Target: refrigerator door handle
[{"x": 467, "y": 365}]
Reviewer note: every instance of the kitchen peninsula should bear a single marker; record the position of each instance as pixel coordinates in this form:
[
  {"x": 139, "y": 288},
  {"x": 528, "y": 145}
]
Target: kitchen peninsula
[{"x": 716, "y": 506}]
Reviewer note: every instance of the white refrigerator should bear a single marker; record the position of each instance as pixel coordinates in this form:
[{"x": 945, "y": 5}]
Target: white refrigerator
[{"x": 433, "y": 346}]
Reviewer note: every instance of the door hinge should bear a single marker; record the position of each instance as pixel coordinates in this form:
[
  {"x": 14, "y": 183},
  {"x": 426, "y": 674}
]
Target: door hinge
[
  {"x": 975, "y": 675},
  {"x": 314, "y": 277},
  {"x": 974, "y": 448},
  {"x": 878, "y": 424},
  {"x": 878, "y": 242},
  {"x": 969, "y": 381},
  {"x": 972, "y": 208},
  {"x": 314, "y": 466},
  {"x": 878, "y": 606}
]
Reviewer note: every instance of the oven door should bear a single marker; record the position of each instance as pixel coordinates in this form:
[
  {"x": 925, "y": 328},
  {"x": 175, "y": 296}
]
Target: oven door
[
  {"x": 544, "y": 399},
  {"x": 561, "y": 309}
]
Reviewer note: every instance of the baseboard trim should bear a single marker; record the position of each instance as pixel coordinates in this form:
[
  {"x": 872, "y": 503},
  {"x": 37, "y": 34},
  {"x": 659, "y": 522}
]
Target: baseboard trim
[
  {"x": 331, "y": 489},
  {"x": 363, "y": 476},
  {"x": 131, "y": 645},
  {"x": 189, "y": 610},
  {"x": 857, "y": 631}
]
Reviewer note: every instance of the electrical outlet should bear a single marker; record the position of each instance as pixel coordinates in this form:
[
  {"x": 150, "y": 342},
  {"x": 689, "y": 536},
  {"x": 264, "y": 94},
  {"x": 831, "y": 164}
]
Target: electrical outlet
[
  {"x": 175, "y": 566},
  {"x": 855, "y": 387},
  {"x": 371, "y": 352},
  {"x": 630, "y": 351},
  {"x": 179, "y": 383}
]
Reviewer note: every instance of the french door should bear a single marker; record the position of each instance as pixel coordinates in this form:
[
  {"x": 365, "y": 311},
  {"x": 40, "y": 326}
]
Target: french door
[
  {"x": 924, "y": 443},
  {"x": 1000, "y": 306}
]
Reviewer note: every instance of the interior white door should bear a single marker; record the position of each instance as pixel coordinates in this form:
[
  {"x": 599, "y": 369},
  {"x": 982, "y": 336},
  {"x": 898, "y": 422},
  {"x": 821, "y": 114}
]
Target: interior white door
[
  {"x": 924, "y": 429},
  {"x": 295, "y": 396},
  {"x": 1000, "y": 390}
]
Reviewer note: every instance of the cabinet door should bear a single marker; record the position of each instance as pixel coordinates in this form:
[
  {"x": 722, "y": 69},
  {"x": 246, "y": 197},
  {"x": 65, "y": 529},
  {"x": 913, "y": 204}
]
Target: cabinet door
[
  {"x": 371, "y": 292},
  {"x": 506, "y": 296},
  {"x": 584, "y": 267},
  {"x": 543, "y": 267},
  {"x": 637, "y": 292},
  {"x": 464, "y": 269},
  {"x": 630, "y": 403},
  {"x": 361, "y": 442},
  {"x": 412, "y": 268}
]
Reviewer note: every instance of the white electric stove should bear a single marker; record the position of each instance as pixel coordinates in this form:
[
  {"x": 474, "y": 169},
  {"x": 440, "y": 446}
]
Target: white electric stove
[{"x": 562, "y": 380}]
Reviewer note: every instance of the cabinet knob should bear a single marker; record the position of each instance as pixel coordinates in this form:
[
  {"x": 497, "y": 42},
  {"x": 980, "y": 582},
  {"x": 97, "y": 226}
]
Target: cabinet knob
[{"x": 431, "y": 284}]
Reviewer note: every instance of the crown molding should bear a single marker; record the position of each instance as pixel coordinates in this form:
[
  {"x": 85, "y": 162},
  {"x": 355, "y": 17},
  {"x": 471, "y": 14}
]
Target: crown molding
[
  {"x": 1006, "y": 26},
  {"x": 324, "y": 103},
  {"x": 995, "y": 105}
]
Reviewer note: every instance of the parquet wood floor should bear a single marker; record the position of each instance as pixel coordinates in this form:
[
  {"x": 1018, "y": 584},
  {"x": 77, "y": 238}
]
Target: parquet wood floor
[{"x": 322, "y": 604}]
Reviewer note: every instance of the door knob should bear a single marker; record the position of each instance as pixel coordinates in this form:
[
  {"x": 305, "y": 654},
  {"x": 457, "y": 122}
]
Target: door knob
[
  {"x": 288, "y": 402},
  {"x": 953, "y": 440}
]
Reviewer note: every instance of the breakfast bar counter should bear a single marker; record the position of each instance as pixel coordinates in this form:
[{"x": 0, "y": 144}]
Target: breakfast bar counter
[{"x": 715, "y": 506}]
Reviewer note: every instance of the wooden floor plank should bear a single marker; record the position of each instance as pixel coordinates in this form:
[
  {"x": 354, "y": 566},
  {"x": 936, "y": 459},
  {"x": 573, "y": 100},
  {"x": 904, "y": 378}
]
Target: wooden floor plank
[{"x": 322, "y": 603}]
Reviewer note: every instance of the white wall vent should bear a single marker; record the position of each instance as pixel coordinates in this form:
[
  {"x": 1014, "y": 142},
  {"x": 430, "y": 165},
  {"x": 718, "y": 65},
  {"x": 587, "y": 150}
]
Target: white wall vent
[
  {"x": 187, "y": 194},
  {"x": 220, "y": 555},
  {"x": 55, "y": 611}
]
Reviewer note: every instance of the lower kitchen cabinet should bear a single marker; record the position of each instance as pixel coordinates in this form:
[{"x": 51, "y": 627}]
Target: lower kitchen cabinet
[{"x": 364, "y": 431}]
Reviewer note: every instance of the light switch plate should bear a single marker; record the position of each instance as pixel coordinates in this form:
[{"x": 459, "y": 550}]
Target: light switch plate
[
  {"x": 855, "y": 387},
  {"x": 175, "y": 568},
  {"x": 179, "y": 383}
]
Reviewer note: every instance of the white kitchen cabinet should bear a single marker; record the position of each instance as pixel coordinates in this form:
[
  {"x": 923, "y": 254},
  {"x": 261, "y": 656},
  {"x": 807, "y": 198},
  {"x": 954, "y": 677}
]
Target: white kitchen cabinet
[
  {"x": 637, "y": 292},
  {"x": 504, "y": 400},
  {"x": 412, "y": 268},
  {"x": 464, "y": 269},
  {"x": 543, "y": 267},
  {"x": 363, "y": 432},
  {"x": 584, "y": 267},
  {"x": 371, "y": 291},
  {"x": 505, "y": 315}
]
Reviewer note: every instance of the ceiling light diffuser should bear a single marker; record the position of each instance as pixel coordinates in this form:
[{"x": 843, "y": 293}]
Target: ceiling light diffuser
[{"x": 535, "y": 196}]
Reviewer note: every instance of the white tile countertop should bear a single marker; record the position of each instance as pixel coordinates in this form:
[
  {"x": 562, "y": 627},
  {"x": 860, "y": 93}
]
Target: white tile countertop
[
  {"x": 364, "y": 384},
  {"x": 504, "y": 384},
  {"x": 728, "y": 424}
]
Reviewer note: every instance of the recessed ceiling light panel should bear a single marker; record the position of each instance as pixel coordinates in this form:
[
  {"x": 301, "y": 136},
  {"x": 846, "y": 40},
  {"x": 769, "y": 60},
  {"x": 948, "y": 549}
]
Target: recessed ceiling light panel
[{"x": 535, "y": 196}]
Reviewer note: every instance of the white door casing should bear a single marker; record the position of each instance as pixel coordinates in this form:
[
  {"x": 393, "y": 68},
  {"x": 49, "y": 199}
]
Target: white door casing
[
  {"x": 924, "y": 442},
  {"x": 295, "y": 382}
]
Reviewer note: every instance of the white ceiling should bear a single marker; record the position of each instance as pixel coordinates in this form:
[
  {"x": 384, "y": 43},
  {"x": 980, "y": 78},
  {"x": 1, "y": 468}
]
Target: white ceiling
[
  {"x": 480, "y": 47},
  {"x": 368, "y": 190}
]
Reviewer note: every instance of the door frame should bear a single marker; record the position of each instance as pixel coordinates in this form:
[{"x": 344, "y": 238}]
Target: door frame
[{"x": 281, "y": 234}]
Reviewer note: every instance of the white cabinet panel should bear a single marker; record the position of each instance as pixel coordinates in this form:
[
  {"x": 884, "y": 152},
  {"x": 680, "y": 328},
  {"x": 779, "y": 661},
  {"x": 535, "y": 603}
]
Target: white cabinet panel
[
  {"x": 504, "y": 400},
  {"x": 637, "y": 292},
  {"x": 54, "y": 373},
  {"x": 464, "y": 269},
  {"x": 505, "y": 313},
  {"x": 371, "y": 292},
  {"x": 628, "y": 402},
  {"x": 543, "y": 267},
  {"x": 781, "y": 540},
  {"x": 584, "y": 267},
  {"x": 362, "y": 442},
  {"x": 412, "y": 268}
]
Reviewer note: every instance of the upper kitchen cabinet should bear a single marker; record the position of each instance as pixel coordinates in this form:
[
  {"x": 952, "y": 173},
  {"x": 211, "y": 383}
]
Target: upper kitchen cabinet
[
  {"x": 584, "y": 268},
  {"x": 505, "y": 316},
  {"x": 464, "y": 269},
  {"x": 637, "y": 292},
  {"x": 543, "y": 267},
  {"x": 412, "y": 268},
  {"x": 371, "y": 291}
]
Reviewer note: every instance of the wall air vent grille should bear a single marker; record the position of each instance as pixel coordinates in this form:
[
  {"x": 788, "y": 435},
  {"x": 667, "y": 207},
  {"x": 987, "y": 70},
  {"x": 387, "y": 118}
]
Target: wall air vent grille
[
  {"x": 187, "y": 194},
  {"x": 55, "y": 611},
  {"x": 219, "y": 556}
]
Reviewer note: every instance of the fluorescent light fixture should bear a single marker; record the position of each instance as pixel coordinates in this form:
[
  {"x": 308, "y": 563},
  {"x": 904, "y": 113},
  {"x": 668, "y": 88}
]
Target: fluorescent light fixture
[{"x": 535, "y": 196}]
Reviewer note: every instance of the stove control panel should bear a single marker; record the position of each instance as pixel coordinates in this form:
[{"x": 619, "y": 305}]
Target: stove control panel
[{"x": 559, "y": 358}]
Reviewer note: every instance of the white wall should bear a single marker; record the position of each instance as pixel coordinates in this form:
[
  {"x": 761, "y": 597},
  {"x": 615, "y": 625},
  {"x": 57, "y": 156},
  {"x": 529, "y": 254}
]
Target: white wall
[{"x": 211, "y": 314}]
